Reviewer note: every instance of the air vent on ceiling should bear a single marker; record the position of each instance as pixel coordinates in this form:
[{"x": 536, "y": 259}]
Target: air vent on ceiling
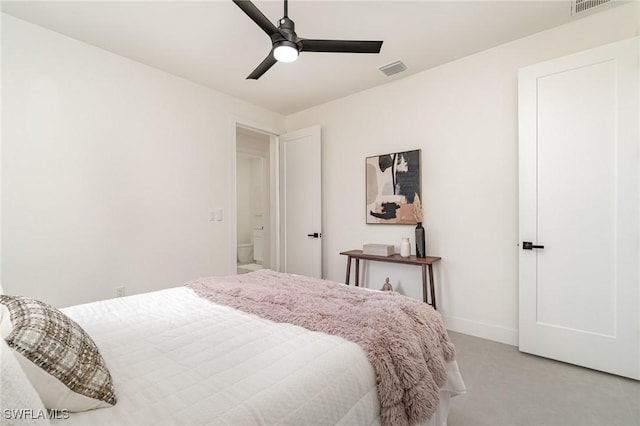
[
  {"x": 578, "y": 6},
  {"x": 393, "y": 68}
]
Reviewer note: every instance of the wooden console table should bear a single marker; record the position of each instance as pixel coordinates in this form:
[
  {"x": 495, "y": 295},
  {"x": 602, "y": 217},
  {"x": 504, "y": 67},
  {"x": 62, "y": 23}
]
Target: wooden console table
[{"x": 424, "y": 262}]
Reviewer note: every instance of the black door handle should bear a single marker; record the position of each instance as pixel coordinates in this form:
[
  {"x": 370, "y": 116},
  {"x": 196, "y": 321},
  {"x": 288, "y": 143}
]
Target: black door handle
[
  {"x": 314, "y": 235},
  {"x": 527, "y": 245}
]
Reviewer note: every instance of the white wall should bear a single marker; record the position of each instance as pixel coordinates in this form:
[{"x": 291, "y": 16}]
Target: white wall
[
  {"x": 109, "y": 171},
  {"x": 243, "y": 185},
  {"x": 463, "y": 115},
  {"x": 1, "y": 289},
  {"x": 250, "y": 184}
]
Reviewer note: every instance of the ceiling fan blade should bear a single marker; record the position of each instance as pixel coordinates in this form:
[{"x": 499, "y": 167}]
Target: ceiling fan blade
[
  {"x": 264, "y": 66},
  {"x": 254, "y": 13},
  {"x": 340, "y": 46}
]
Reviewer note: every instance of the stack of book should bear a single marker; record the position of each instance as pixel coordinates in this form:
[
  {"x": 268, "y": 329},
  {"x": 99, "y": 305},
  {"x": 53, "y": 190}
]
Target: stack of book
[{"x": 378, "y": 249}]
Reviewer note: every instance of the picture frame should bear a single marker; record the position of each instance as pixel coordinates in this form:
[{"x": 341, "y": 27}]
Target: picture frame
[{"x": 392, "y": 182}]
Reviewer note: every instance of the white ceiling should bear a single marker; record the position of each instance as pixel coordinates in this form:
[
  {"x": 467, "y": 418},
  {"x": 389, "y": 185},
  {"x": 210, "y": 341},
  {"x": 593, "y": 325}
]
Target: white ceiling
[{"x": 215, "y": 44}]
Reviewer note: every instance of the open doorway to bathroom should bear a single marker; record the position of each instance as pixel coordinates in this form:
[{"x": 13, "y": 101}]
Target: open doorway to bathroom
[{"x": 252, "y": 200}]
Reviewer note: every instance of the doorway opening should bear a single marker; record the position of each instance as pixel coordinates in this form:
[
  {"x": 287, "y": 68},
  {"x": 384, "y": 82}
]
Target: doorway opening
[{"x": 253, "y": 201}]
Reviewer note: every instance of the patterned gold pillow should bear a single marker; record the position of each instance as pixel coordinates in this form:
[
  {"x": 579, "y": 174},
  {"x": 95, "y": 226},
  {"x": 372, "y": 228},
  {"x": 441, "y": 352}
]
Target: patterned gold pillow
[{"x": 58, "y": 356}]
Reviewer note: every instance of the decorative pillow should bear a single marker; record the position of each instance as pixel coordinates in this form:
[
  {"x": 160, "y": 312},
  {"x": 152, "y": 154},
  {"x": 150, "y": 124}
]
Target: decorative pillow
[{"x": 59, "y": 358}]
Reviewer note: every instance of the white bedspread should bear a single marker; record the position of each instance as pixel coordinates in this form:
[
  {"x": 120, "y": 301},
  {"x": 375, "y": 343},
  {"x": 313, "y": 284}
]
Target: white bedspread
[{"x": 178, "y": 359}]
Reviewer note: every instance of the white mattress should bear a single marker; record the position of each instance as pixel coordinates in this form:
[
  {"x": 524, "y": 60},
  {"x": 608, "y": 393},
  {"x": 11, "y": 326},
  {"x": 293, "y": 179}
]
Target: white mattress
[{"x": 178, "y": 359}]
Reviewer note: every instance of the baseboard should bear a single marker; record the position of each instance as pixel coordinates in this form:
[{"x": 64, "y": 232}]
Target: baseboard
[{"x": 493, "y": 332}]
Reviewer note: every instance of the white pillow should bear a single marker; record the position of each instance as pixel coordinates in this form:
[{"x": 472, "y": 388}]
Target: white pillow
[
  {"x": 20, "y": 402},
  {"x": 60, "y": 360}
]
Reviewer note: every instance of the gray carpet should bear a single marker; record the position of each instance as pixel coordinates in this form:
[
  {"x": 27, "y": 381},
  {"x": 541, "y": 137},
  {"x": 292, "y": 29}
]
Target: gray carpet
[{"x": 507, "y": 387}]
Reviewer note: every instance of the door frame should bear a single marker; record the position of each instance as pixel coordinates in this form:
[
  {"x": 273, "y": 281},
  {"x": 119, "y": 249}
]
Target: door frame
[{"x": 274, "y": 190}]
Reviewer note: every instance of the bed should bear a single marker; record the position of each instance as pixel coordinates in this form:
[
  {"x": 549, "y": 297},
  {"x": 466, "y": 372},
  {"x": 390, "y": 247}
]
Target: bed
[{"x": 178, "y": 358}]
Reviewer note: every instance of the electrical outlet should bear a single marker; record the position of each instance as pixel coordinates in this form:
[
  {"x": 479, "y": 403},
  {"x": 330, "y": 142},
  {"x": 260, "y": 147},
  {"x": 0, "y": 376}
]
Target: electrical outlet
[{"x": 119, "y": 291}]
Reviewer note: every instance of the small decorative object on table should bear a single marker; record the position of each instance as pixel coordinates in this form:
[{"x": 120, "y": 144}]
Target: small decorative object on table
[
  {"x": 378, "y": 249},
  {"x": 387, "y": 285},
  {"x": 420, "y": 234},
  {"x": 405, "y": 247}
]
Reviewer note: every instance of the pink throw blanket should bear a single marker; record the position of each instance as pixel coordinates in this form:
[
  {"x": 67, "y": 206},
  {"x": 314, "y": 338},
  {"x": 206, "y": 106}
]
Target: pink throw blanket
[{"x": 404, "y": 339}]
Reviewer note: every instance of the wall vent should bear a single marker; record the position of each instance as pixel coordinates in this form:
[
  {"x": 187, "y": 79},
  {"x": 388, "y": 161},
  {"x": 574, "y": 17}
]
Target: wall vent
[
  {"x": 393, "y": 68},
  {"x": 578, "y": 6}
]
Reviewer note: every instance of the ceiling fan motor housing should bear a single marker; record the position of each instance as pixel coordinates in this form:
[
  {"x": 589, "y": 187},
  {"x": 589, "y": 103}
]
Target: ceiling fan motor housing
[{"x": 288, "y": 29}]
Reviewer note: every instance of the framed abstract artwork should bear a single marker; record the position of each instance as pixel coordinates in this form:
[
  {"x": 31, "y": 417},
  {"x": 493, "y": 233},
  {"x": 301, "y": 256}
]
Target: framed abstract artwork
[{"x": 392, "y": 182}]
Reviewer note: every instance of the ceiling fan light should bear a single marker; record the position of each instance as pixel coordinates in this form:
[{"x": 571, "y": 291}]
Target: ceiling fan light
[{"x": 285, "y": 51}]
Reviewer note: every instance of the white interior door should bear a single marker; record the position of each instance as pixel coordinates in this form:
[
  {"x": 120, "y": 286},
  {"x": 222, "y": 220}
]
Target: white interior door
[
  {"x": 301, "y": 202},
  {"x": 579, "y": 198}
]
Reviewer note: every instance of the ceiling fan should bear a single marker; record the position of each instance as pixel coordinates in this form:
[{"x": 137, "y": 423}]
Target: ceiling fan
[{"x": 286, "y": 45}]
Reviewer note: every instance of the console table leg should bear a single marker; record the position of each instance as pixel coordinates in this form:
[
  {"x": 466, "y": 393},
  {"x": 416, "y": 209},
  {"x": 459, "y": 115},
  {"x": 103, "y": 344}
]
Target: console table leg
[
  {"x": 424, "y": 283},
  {"x": 346, "y": 280},
  {"x": 433, "y": 290},
  {"x": 357, "y": 272}
]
